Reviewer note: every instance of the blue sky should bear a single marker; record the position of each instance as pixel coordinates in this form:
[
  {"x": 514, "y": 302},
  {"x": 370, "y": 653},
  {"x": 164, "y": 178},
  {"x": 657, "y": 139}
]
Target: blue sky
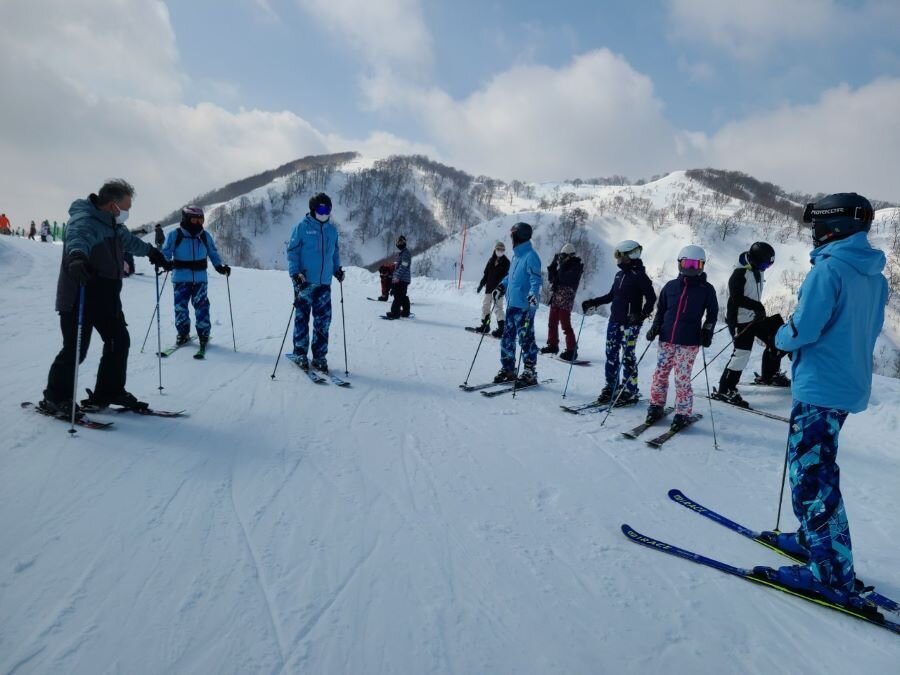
[{"x": 194, "y": 93}]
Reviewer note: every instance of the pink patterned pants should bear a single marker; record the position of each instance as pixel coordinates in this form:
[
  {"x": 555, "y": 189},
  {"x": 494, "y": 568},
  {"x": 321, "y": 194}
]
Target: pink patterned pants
[{"x": 681, "y": 359}]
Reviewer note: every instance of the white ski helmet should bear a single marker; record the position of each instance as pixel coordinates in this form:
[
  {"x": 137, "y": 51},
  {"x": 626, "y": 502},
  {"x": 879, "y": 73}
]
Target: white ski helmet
[
  {"x": 628, "y": 249},
  {"x": 691, "y": 253},
  {"x": 568, "y": 249}
]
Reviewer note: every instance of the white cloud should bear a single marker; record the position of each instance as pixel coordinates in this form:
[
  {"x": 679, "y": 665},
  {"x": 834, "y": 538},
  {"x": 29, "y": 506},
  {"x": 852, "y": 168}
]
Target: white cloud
[
  {"x": 699, "y": 71},
  {"x": 849, "y": 140}
]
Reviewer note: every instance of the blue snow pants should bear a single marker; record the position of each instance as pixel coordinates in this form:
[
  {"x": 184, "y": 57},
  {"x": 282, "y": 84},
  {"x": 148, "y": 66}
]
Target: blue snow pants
[
  {"x": 315, "y": 299},
  {"x": 195, "y": 293},
  {"x": 622, "y": 338},
  {"x": 519, "y": 323},
  {"x": 816, "y": 495}
]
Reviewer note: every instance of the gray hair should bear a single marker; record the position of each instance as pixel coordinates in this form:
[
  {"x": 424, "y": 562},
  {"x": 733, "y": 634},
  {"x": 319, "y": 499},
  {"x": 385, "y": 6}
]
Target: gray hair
[{"x": 115, "y": 190}]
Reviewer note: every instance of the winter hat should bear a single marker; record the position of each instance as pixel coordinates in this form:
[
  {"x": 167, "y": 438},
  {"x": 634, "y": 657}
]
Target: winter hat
[{"x": 568, "y": 249}]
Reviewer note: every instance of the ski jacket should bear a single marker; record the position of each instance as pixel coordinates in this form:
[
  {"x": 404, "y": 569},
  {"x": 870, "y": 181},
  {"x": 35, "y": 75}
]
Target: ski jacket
[
  {"x": 631, "y": 293},
  {"x": 313, "y": 251},
  {"x": 45, "y": 229},
  {"x": 745, "y": 288},
  {"x": 564, "y": 275},
  {"x": 189, "y": 253},
  {"x": 95, "y": 234},
  {"x": 496, "y": 268},
  {"x": 524, "y": 276},
  {"x": 832, "y": 333},
  {"x": 4, "y": 224},
  {"x": 402, "y": 272},
  {"x": 683, "y": 302}
]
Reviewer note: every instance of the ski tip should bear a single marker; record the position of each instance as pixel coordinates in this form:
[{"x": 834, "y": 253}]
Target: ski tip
[{"x": 675, "y": 492}]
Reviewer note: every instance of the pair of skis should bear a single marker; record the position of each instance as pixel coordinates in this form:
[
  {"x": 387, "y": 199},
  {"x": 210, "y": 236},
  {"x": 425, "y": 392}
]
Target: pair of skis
[
  {"x": 666, "y": 435},
  {"x": 317, "y": 377},
  {"x": 871, "y": 612},
  {"x": 83, "y": 420},
  {"x": 199, "y": 354},
  {"x": 596, "y": 406},
  {"x": 755, "y": 411},
  {"x": 488, "y": 388}
]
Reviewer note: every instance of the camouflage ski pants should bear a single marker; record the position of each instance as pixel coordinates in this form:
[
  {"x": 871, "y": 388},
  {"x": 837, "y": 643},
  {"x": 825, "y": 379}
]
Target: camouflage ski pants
[
  {"x": 622, "y": 338},
  {"x": 519, "y": 323},
  {"x": 312, "y": 299},
  {"x": 195, "y": 294}
]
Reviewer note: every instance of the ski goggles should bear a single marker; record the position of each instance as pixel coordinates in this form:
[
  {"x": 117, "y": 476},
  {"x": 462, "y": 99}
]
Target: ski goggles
[
  {"x": 766, "y": 264},
  {"x": 625, "y": 254},
  {"x": 691, "y": 264},
  {"x": 323, "y": 209}
]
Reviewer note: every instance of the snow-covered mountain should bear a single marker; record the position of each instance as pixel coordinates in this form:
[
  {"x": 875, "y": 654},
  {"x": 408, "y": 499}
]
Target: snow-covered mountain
[
  {"x": 402, "y": 525},
  {"x": 437, "y": 207}
]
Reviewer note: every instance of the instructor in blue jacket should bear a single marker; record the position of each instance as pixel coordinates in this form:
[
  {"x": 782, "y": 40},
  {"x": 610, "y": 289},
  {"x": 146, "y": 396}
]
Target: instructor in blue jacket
[
  {"x": 831, "y": 338},
  {"x": 313, "y": 259},
  {"x": 522, "y": 288}
]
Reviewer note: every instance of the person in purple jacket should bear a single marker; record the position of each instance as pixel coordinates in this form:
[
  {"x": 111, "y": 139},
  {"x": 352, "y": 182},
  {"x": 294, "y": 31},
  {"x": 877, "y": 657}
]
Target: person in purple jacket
[{"x": 685, "y": 320}]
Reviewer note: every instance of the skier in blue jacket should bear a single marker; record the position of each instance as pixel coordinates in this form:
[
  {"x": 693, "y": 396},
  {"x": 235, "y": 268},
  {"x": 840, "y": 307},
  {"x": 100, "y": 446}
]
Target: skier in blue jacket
[
  {"x": 522, "y": 288},
  {"x": 831, "y": 338},
  {"x": 188, "y": 246},
  {"x": 313, "y": 259}
]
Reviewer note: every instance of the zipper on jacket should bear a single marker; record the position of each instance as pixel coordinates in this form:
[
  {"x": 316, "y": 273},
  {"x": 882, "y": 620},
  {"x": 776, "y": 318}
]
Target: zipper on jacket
[
  {"x": 679, "y": 310},
  {"x": 322, "y": 247}
]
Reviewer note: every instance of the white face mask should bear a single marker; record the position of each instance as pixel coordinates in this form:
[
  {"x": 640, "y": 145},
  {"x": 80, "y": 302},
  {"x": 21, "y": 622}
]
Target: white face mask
[
  {"x": 122, "y": 217},
  {"x": 323, "y": 218},
  {"x": 500, "y": 251}
]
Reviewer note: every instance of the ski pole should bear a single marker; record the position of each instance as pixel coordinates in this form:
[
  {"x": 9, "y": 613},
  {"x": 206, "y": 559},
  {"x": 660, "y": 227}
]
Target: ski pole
[
  {"x": 344, "y": 328},
  {"x": 616, "y": 400},
  {"x": 787, "y": 449},
  {"x": 77, "y": 354},
  {"x": 155, "y": 310},
  {"x": 712, "y": 417},
  {"x": 478, "y": 348},
  {"x": 230, "y": 313},
  {"x": 281, "y": 349},
  {"x": 744, "y": 330},
  {"x": 572, "y": 362},
  {"x": 521, "y": 352},
  {"x": 158, "y": 333}
]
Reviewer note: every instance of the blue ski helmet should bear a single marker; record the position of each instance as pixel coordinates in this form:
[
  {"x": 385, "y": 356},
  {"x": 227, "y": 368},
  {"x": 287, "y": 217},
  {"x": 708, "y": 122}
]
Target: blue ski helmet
[{"x": 838, "y": 216}]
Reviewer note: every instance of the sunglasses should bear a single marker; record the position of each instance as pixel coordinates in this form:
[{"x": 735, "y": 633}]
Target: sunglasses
[
  {"x": 691, "y": 264},
  {"x": 323, "y": 209}
]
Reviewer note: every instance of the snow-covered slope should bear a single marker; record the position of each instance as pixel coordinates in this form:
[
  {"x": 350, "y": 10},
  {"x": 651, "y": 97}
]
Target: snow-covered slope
[{"x": 401, "y": 526}]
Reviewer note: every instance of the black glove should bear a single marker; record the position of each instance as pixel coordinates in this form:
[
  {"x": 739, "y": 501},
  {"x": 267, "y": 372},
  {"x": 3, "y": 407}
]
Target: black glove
[
  {"x": 732, "y": 328},
  {"x": 759, "y": 315},
  {"x": 706, "y": 336},
  {"x": 299, "y": 279},
  {"x": 79, "y": 268},
  {"x": 652, "y": 333},
  {"x": 480, "y": 286},
  {"x": 499, "y": 292},
  {"x": 158, "y": 259},
  {"x": 339, "y": 274},
  {"x": 532, "y": 300},
  {"x": 391, "y": 292},
  {"x": 634, "y": 319},
  {"x": 588, "y": 305},
  {"x": 223, "y": 269}
]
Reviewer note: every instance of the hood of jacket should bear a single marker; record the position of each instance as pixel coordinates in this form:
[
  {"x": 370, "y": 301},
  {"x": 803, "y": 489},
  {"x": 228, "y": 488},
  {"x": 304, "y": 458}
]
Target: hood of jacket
[{"x": 856, "y": 251}]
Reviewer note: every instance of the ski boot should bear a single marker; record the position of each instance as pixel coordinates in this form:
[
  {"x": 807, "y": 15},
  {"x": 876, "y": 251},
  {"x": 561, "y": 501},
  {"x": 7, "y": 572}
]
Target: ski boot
[
  {"x": 204, "y": 340},
  {"x": 60, "y": 409},
  {"x": 301, "y": 360},
  {"x": 498, "y": 332},
  {"x": 654, "y": 413},
  {"x": 505, "y": 376},
  {"x": 732, "y": 397},
  {"x": 627, "y": 397},
  {"x": 182, "y": 339},
  {"x": 383, "y": 298},
  {"x": 123, "y": 399},
  {"x": 320, "y": 364},
  {"x": 789, "y": 542},
  {"x": 777, "y": 380},
  {"x": 606, "y": 395},
  {"x": 679, "y": 422},
  {"x": 528, "y": 377},
  {"x": 800, "y": 578},
  {"x": 550, "y": 349},
  {"x": 485, "y": 327},
  {"x": 569, "y": 355}
]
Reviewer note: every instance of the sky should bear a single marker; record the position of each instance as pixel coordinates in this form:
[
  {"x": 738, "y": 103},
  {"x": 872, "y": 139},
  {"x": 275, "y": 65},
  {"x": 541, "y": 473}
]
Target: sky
[{"x": 182, "y": 97}]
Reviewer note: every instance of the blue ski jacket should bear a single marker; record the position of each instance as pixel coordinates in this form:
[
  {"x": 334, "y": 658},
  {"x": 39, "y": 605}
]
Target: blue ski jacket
[
  {"x": 681, "y": 308},
  {"x": 190, "y": 254},
  {"x": 832, "y": 332},
  {"x": 313, "y": 251},
  {"x": 524, "y": 276}
]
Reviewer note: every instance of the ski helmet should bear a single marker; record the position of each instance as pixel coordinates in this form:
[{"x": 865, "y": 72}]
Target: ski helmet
[
  {"x": 320, "y": 204},
  {"x": 838, "y": 216},
  {"x": 521, "y": 232},
  {"x": 629, "y": 249},
  {"x": 568, "y": 249},
  {"x": 761, "y": 255},
  {"x": 691, "y": 261},
  {"x": 401, "y": 242},
  {"x": 189, "y": 212}
]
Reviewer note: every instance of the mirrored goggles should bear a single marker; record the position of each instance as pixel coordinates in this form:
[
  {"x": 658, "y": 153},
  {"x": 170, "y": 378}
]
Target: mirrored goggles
[
  {"x": 691, "y": 264},
  {"x": 323, "y": 210}
]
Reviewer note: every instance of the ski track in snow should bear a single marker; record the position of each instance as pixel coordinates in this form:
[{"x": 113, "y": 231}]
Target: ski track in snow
[{"x": 402, "y": 525}]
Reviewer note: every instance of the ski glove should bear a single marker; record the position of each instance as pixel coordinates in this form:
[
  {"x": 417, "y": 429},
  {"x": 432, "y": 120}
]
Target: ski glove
[
  {"x": 480, "y": 286},
  {"x": 339, "y": 274},
  {"x": 706, "y": 336},
  {"x": 499, "y": 292},
  {"x": 79, "y": 268},
  {"x": 634, "y": 319},
  {"x": 588, "y": 305},
  {"x": 223, "y": 269},
  {"x": 652, "y": 333},
  {"x": 159, "y": 260},
  {"x": 532, "y": 300},
  {"x": 299, "y": 279},
  {"x": 759, "y": 315}
]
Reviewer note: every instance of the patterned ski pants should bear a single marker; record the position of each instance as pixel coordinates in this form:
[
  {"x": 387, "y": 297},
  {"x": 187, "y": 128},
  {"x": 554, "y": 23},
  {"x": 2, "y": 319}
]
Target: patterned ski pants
[
  {"x": 315, "y": 299},
  {"x": 195, "y": 293},
  {"x": 681, "y": 359},
  {"x": 816, "y": 494},
  {"x": 622, "y": 338},
  {"x": 519, "y": 323}
]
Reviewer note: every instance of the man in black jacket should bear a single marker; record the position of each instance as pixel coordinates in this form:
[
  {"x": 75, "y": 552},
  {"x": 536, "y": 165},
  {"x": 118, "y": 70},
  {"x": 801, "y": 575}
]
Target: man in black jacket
[
  {"x": 495, "y": 270},
  {"x": 564, "y": 274},
  {"x": 632, "y": 297},
  {"x": 747, "y": 320}
]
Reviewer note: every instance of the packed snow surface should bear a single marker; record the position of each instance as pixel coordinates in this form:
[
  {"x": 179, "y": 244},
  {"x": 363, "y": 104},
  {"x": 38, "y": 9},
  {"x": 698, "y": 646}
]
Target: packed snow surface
[{"x": 401, "y": 526}]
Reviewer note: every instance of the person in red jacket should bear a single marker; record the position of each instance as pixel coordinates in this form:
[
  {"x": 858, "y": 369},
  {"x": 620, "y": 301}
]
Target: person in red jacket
[{"x": 4, "y": 224}]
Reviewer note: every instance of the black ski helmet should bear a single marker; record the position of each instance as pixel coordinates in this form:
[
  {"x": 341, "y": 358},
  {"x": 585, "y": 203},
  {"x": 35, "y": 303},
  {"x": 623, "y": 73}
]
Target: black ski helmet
[
  {"x": 761, "y": 255},
  {"x": 317, "y": 199},
  {"x": 401, "y": 242},
  {"x": 521, "y": 232},
  {"x": 189, "y": 216},
  {"x": 838, "y": 216}
]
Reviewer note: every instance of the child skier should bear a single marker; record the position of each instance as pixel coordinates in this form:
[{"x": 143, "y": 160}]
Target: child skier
[
  {"x": 400, "y": 281},
  {"x": 496, "y": 268},
  {"x": 632, "y": 297},
  {"x": 564, "y": 274},
  {"x": 685, "y": 320},
  {"x": 832, "y": 333},
  {"x": 188, "y": 246},
  {"x": 385, "y": 274}
]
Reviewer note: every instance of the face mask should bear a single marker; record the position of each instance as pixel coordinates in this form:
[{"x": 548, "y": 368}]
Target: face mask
[
  {"x": 323, "y": 218},
  {"x": 122, "y": 217},
  {"x": 499, "y": 251}
]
